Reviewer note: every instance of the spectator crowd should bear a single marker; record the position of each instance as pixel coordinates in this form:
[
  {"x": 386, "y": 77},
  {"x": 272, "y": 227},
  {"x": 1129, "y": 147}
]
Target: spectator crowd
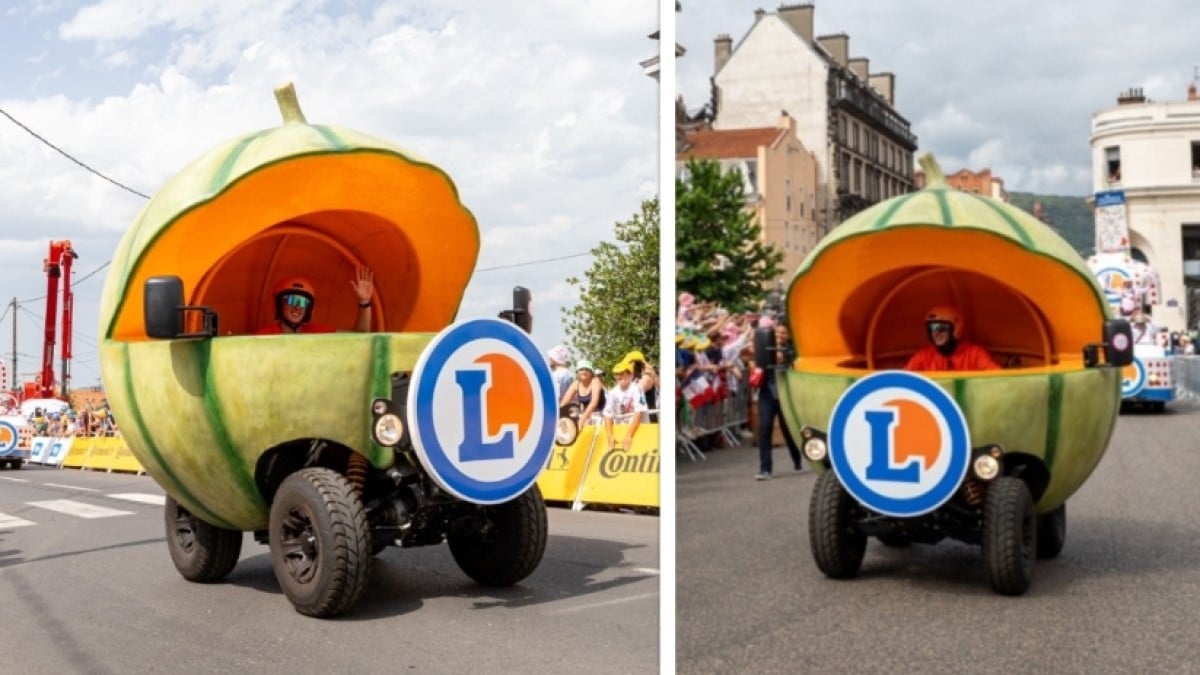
[
  {"x": 84, "y": 420},
  {"x": 714, "y": 366}
]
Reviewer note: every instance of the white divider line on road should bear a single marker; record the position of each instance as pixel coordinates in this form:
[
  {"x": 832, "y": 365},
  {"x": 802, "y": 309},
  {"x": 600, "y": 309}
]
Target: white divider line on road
[
  {"x": 7, "y": 521},
  {"x": 14, "y": 480},
  {"x": 645, "y": 570},
  {"x": 79, "y": 509},
  {"x": 71, "y": 487},
  {"x": 603, "y": 603},
  {"x": 157, "y": 500}
]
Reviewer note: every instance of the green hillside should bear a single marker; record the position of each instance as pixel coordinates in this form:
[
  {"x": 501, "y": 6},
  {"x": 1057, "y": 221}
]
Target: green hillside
[{"x": 1071, "y": 217}]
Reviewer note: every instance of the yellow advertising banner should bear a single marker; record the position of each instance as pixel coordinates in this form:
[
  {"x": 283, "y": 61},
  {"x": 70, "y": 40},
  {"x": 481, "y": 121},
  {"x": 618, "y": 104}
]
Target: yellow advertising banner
[
  {"x": 103, "y": 451},
  {"x": 559, "y": 481},
  {"x": 81, "y": 449},
  {"x": 624, "y": 476},
  {"x": 124, "y": 461}
]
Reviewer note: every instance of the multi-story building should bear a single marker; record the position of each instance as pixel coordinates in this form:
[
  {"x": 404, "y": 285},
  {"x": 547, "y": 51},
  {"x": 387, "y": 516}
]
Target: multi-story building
[
  {"x": 780, "y": 181},
  {"x": 844, "y": 113},
  {"x": 980, "y": 183},
  {"x": 1150, "y": 151}
]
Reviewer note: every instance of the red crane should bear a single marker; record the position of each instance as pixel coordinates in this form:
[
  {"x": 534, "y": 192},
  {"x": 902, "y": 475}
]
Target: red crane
[{"x": 57, "y": 266}]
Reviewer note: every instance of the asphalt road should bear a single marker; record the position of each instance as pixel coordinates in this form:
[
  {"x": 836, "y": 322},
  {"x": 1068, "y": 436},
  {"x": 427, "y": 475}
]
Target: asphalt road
[
  {"x": 86, "y": 586},
  {"x": 1122, "y": 597}
]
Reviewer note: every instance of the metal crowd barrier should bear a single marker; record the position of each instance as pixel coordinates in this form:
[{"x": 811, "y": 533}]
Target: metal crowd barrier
[
  {"x": 1185, "y": 373},
  {"x": 720, "y": 418}
]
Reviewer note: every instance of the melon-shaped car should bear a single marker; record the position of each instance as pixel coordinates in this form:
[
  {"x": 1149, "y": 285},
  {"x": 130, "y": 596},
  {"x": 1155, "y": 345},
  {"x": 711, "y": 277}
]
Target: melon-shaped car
[
  {"x": 1032, "y": 431},
  {"x": 308, "y": 440}
]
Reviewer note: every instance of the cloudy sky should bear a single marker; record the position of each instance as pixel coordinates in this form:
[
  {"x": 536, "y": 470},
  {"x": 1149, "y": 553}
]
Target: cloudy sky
[
  {"x": 1006, "y": 85},
  {"x": 538, "y": 110}
]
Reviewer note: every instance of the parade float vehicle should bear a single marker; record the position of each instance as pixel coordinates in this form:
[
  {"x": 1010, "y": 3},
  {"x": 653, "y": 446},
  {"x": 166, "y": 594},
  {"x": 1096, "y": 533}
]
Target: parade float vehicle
[
  {"x": 1131, "y": 287},
  {"x": 986, "y": 457},
  {"x": 328, "y": 447},
  {"x": 12, "y": 453}
]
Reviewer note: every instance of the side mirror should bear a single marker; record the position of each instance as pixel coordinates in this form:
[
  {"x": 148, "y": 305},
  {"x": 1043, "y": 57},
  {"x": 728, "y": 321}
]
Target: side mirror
[
  {"x": 163, "y": 298},
  {"x": 163, "y": 310},
  {"x": 1118, "y": 342},
  {"x": 764, "y": 348},
  {"x": 520, "y": 314}
]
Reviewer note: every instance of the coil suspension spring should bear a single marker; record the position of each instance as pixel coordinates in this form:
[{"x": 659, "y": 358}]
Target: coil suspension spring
[
  {"x": 973, "y": 492},
  {"x": 356, "y": 472}
]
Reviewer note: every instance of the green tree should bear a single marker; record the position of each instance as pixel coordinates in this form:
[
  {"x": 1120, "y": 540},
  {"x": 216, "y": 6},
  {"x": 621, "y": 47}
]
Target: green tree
[
  {"x": 719, "y": 254},
  {"x": 618, "y": 297}
]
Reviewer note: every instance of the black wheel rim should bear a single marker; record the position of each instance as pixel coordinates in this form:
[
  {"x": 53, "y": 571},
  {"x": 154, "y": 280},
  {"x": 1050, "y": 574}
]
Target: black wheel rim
[
  {"x": 298, "y": 545},
  {"x": 185, "y": 531}
]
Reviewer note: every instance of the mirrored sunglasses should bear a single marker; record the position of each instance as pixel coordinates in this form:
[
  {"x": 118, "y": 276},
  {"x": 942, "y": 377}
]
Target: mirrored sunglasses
[
  {"x": 939, "y": 326},
  {"x": 296, "y": 300}
]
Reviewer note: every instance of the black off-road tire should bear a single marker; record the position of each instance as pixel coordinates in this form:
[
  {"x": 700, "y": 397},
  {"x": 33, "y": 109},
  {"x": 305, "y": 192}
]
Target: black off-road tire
[
  {"x": 1009, "y": 535},
  {"x": 201, "y": 552},
  {"x": 838, "y": 546},
  {"x": 1051, "y": 533},
  {"x": 320, "y": 542},
  {"x": 510, "y": 544}
]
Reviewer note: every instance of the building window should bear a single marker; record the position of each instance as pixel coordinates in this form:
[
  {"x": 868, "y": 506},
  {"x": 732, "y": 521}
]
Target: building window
[
  {"x": 787, "y": 192},
  {"x": 1112, "y": 164},
  {"x": 1196, "y": 160},
  {"x": 841, "y": 130},
  {"x": 752, "y": 175},
  {"x": 854, "y": 136}
]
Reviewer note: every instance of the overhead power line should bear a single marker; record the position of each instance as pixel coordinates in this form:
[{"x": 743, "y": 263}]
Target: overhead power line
[
  {"x": 533, "y": 262},
  {"x": 71, "y": 157}
]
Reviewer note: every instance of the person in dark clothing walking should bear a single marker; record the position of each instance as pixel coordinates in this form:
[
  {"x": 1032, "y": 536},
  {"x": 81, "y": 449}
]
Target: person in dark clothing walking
[{"x": 769, "y": 409}]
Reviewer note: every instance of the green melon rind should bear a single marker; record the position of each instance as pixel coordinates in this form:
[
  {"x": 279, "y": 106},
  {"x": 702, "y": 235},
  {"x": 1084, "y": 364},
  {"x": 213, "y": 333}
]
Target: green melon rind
[
  {"x": 120, "y": 390},
  {"x": 1066, "y": 418},
  {"x": 212, "y": 174},
  {"x": 958, "y": 210},
  {"x": 232, "y": 398}
]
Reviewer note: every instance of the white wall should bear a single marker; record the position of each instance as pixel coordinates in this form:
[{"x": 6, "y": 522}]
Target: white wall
[{"x": 1161, "y": 194}]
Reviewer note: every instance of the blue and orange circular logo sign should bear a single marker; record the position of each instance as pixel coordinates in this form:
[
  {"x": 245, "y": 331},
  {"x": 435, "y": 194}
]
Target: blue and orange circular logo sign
[
  {"x": 898, "y": 443},
  {"x": 9, "y": 437},
  {"x": 481, "y": 411},
  {"x": 1133, "y": 378}
]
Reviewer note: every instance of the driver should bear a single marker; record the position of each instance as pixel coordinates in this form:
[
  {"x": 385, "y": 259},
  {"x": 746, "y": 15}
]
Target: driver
[
  {"x": 948, "y": 350},
  {"x": 294, "y": 299}
]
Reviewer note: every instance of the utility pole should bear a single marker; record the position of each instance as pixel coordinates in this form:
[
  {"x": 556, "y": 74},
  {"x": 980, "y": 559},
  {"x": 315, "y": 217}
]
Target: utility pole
[{"x": 13, "y": 308}]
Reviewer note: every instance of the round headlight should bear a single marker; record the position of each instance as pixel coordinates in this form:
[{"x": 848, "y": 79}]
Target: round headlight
[
  {"x": 388, "y": 429},
  {"x": 565, "y": 431},
  {"x": 986, "y": 467},
  {"x": 379, "y": 406},
  {"x": 814, "y": 449}
]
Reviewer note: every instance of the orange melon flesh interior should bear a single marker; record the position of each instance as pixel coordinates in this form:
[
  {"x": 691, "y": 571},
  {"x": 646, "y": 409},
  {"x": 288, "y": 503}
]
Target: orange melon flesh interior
[
  {"x": 1026, "y": 308},
  {"x": 318, "y": 217}
]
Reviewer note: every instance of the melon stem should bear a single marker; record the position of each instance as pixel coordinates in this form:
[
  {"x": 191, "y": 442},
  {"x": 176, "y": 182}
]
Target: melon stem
[
  {"x": 934, "y": 178},
  {"x": 289, "y": 105}
]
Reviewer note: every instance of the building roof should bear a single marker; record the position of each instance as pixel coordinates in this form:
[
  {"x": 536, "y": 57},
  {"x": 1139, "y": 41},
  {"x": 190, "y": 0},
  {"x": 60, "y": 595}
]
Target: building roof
[{"x": 730, "y": 143}]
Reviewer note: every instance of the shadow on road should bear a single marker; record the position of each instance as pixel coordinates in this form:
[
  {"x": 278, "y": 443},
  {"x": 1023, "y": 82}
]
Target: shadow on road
[{"x": 401, "y": 579}]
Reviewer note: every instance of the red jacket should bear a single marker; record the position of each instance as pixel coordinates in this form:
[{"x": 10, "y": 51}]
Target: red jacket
[
  {"x": 967, "y": 356},
  {"x": 274, "y": 328}
]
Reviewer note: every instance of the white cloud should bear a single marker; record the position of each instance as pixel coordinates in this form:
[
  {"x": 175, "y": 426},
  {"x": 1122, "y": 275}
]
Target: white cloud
[
  {"x": 538, "y": 111},
  {"x": 1022, "y": 74}
]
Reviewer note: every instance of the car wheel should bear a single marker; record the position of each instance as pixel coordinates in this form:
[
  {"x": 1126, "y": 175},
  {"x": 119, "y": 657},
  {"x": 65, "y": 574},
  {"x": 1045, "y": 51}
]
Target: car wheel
[
  {"x": 1009, "y": 535},
  {"x": 320, "y": 542},
  {"x": 504, "y": 543},
  {"x": 201, "y": 552},
  {"x": 837, "y": 544},
  {"x": 1051, "y": 533}
]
